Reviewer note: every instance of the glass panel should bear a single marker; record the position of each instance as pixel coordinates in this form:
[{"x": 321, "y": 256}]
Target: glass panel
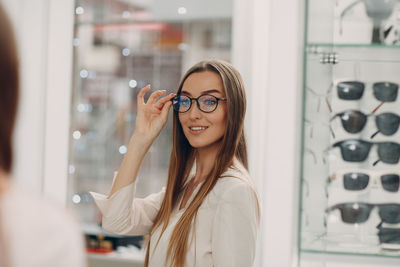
[
  {"x": 350, "y": 159},
  {"x": 119, "y": 47}
]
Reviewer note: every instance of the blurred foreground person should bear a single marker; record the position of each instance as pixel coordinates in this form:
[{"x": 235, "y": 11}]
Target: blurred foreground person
[{"x": 33, "y": 232}]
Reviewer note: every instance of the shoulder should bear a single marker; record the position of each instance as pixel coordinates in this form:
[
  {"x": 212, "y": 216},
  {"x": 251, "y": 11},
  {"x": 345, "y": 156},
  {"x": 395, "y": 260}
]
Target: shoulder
[
  {"x": 53, "y": 224},
  {"x": 36, "y": 205},
  {"x": 235, "y": 184}
]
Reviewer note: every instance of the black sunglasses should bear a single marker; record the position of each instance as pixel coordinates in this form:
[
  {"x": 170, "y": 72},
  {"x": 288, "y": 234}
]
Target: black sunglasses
[
  {"x": 206, "y": 103},
  {"x": 357, "y": 150},
  {"x": 357, "y": 181},
  {"x": 358, "y": 212},
  {"x": 354, "y": 90},
  {"x": 353, "y": 121}
]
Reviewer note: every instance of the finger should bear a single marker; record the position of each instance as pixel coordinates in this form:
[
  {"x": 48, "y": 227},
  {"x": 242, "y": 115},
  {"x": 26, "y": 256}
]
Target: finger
[
  {"x": 142, "y": 92},
  {"x": 153, "y": 97},
  {"x": 165, "y": 109},
  {"x": 160, "y": 103}
]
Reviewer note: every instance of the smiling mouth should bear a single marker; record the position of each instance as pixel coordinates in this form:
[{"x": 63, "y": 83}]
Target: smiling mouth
[{"x": 198, "y": 128}]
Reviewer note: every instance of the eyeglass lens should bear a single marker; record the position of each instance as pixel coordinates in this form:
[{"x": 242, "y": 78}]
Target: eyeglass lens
[
  {"x": 351, "y": 90},
  {"x": 355, "y": 181},
  {"x": 385, "y": 91},
  {"x": 390, "y": 182},
  {"x": 389, "y": 152},
  {"x": 359, "y": 212},
  {"x": 354, "y": 150},
  {"x": 353, "y": 121},
  {"x": 387, "y": 123},
  {"x": 354, "y": 212}
]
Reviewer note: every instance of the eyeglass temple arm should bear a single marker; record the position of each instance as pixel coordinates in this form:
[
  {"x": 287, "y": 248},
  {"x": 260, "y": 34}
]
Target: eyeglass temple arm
[
  {"x": 328, "y": 92},
  {"x": 374, "y": 134},
  {"x": 375, "y": 109},
  {"x": 332, "y": 208},
  {"x": 376, "y": 162},
  {"x": 325, "y": 153}
]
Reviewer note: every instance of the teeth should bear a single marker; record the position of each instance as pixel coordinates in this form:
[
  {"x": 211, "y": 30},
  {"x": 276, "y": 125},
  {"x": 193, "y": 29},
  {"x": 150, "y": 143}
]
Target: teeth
[{"x": 199, "y": 128}]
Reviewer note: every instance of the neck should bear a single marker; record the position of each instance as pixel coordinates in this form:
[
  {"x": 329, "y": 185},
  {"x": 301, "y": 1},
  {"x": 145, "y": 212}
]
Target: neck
[{"x": 205, "y": 160}]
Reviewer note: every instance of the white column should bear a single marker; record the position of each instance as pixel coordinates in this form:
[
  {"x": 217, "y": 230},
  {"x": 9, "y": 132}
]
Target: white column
[
  {"x": 267, "y": 49},
  {"x": 58, "y": 98}
]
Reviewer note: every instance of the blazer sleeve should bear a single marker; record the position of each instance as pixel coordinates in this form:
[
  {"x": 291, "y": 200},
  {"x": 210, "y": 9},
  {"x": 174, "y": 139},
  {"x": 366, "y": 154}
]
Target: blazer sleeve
[
  {"x": 124, "y": 214},
  {"x": 235, "y": 227}
]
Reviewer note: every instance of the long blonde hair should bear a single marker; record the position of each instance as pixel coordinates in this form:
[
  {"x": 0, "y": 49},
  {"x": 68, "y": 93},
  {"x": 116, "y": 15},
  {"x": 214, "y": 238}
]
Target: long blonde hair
[{"x": 233, "y": 144}]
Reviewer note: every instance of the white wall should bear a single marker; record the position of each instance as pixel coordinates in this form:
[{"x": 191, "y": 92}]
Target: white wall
[{"x": 30, "y": 20}]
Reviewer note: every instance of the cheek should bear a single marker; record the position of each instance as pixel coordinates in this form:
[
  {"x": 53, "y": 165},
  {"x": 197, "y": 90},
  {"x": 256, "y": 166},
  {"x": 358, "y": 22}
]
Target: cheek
[{"x": 222, "y": 120}]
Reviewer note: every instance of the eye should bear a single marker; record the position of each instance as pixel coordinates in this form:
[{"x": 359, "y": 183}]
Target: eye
[
  {"x": 184, "y": 101},
  {"x": 208, "y": 100}
]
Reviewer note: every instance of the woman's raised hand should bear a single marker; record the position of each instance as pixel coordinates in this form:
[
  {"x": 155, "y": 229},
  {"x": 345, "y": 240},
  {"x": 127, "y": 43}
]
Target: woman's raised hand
[{"x": 152, "y": 116}]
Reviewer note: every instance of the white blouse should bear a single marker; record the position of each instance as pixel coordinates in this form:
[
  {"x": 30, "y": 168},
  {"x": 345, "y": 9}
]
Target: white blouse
[{"x": 226, "y": 224}]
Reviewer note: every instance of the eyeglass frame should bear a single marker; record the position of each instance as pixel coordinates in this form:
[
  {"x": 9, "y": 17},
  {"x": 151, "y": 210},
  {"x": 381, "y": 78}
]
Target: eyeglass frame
[{"x": 197, "y": 102}]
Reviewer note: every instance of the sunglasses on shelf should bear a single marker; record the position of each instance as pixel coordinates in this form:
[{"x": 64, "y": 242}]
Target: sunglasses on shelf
[
  {"x": 353, "y": 121},
  {"x": 358, "y": 180},
  {"x": 358, "y": 212},
  {"x": 357, "y": 150},
  {"x": 354, "y": 90}
]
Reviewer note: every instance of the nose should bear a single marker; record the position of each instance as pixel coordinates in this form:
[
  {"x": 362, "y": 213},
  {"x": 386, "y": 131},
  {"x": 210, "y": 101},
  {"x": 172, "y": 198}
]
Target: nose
[{"x": 194, "y": 112}]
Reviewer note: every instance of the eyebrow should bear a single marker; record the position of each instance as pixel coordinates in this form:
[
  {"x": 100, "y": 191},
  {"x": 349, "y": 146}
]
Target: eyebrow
[{"x": 203, "y": 92}]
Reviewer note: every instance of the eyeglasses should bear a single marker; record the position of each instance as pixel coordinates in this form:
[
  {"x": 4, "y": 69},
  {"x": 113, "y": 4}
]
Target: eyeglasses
[
  {"x": 206, "y": 103},
  {"x": 357, "y": 181},
  {"x": 353, "y": 90},
  {"x": 358, "y": 212},
  {"x": 353, "y": 121},
  {"x": 356, "y": 150}
]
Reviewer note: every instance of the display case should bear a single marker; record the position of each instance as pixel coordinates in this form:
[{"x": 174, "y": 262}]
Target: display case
[{"x": 350, "y": 199}]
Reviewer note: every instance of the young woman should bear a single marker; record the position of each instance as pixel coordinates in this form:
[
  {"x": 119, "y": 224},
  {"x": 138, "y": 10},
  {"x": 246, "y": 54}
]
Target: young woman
[
  {"x": 33, "y": 232},
  {"x": 208, "y": 213}
]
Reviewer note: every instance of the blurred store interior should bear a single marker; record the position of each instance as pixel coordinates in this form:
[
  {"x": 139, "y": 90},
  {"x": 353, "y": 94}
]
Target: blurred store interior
[{"x": 84, "y": 61}]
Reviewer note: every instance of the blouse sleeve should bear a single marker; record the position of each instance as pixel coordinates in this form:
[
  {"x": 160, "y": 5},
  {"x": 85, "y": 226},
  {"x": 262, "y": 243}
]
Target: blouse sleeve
[
  {"x": 235, "y": 227},
  {"x": 124, "y": 214}
]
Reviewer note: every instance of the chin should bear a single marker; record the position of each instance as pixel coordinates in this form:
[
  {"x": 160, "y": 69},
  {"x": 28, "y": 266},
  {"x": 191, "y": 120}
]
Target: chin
[{"x": 200, "y": 144}]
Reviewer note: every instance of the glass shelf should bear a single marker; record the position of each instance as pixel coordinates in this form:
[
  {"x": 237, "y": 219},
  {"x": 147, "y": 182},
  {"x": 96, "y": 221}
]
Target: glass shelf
[{"x": 329, "y": 45}]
